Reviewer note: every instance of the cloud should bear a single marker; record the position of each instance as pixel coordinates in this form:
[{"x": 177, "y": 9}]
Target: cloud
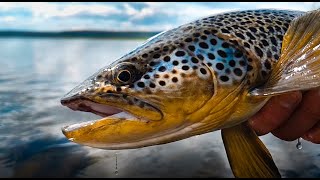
[
  {"x": 302, "y": 6},
  {"x": 122, "y": 16},
  {"x": 8, "y": 19}
]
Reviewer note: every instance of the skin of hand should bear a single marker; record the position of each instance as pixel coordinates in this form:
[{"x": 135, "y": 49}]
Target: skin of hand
[{"x": 290, "y": 116}]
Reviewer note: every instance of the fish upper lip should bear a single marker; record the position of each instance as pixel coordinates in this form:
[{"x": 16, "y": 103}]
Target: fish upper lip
[
  {"x": 80, "y": 103},
  {"x": 86, "y": 104}
]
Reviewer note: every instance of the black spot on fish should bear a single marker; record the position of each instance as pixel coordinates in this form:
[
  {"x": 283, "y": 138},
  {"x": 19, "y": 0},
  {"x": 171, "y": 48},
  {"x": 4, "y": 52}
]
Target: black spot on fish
[
  {"x": 238, "y": 54},
  {"x": 249, "y": 68},
  {"x": 240, "y": 35},
  {"x": 206, "y": 32},
  {"x": 162, "y": 83},
  {"x": 188, "y": 40},
  {"x": 167, "y": 58},
  {"x": 264, "y": 73},
  {"x": 145, "y": 55},
  {"x": 273, "y": 40},
  {"x": 213, "y": 42},
  {"x": 162, "y": 68},
  {"x": 180, "y": 53},
  {"x": 222, "y": 53},
  {"x": 118, "y": 89},
  {"x": 156, "y": 56},
  {"x": 232, "y": 63},
  {"x": 174, "y": 79},
  {"x": 242, "y": 63},
  {"x": 184, "y": 61},
  {"x": 220, "y": 66},
  {"x": 211, "y": 56},
  {"x": 141, "y": 84},
  {"x": 203, "y": 37},
  {"x": 264, "y": 42},
  {"x": 203, "y": 45},
  {"x": 200, "y": 56},
  {"x": 250, "y": 36},
  {"x": 270, "y": 29},
  {"x": 269, "y": 54},
  {"x": 267, "y": 64},
  {"x": 191, "y": 48},
  {"x": 203, "y": 71},
  {"x": 225, "y": 45},
  {"x": 258, "y": 51},
  {"x": 152, "y": 63},
  {"x": 237, "y": 71},
  {"x": 260, "y": 22},
  {"x": 152, "y": 85},
  {"x": 185, "y": 67},
  {"x": 224, "y": 78},
  {"x": 146, "y": 76},
  {"x": 224, "y": 30},
  {"x": 196, "y": 34},
  {"x": 194, "y": 60},
  {"x": 247, "y": 45}
]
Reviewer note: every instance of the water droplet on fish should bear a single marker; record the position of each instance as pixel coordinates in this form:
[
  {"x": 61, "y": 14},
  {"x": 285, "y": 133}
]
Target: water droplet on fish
[
  {"x": 116, "y": 167},
  {"x": 299, "y": 145}
]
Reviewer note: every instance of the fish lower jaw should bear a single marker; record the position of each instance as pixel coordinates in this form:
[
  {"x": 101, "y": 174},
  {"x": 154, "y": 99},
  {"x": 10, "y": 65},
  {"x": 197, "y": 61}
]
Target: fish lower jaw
[{"x": 121, "y": 116}]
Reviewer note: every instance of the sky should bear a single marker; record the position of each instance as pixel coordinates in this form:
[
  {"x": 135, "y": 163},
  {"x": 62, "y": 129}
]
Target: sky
[{"x": 121, "y": 16}]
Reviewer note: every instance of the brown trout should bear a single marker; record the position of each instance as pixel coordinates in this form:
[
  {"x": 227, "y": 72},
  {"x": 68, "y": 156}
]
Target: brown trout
[{"x": 207, "y": 75}]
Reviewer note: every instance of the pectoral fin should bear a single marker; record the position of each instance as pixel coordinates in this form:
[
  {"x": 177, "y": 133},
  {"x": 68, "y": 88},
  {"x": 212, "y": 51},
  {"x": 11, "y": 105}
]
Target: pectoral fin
[
  {"x": 298, "y": 67},
  {"x": 247, "y": 155}
]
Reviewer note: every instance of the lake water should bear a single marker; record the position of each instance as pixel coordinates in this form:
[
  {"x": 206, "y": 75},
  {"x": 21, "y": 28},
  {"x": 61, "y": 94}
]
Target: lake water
[{"x": 36, "y": 73}]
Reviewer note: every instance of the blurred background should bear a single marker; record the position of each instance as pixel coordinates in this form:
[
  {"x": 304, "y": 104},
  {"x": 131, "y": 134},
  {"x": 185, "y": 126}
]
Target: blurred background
[{"x": 47, "y": 48}]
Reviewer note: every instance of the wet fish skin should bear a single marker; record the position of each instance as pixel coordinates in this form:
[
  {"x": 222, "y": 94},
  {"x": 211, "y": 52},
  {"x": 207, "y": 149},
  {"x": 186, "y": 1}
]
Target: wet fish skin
[
  {"x": 207, "y": 75},
  {"x": 192, "y": 79}
]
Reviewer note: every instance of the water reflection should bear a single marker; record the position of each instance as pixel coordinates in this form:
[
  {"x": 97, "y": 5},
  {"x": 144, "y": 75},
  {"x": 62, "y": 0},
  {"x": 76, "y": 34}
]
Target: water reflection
[{"x": 36, "y": 73}]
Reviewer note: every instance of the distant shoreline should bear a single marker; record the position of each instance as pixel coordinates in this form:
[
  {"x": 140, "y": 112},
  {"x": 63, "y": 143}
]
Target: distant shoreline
[{"x": 79, "y": 34}]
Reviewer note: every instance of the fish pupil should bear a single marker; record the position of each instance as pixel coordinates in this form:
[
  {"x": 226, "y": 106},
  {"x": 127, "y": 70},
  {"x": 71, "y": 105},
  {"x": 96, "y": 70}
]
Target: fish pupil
[{"x": 124, "y": 76}]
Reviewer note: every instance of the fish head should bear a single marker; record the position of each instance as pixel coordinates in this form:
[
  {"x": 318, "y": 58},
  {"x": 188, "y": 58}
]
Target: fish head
[{"x": 160, "y": 92}]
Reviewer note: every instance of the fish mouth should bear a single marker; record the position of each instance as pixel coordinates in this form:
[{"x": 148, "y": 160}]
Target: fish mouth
[
  {"x": 117, "y": 127},
  {"x": 86, "y": 105}
]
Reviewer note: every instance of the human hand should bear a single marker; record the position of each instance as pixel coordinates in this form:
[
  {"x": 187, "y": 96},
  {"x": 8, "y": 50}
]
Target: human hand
[{"x": 290, "y": 116}]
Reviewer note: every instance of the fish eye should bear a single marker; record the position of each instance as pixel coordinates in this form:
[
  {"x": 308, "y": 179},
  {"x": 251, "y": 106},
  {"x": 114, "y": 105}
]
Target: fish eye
[
  {"x": 124, "y": 76},
  {"x": 125, "y": 73}
]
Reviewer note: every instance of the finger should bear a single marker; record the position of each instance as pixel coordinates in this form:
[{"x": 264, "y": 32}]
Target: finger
[
  {"x": 313, "y": 135},
  {"x": 303, "y": 119},
  {"x": 275, "y": 112}
]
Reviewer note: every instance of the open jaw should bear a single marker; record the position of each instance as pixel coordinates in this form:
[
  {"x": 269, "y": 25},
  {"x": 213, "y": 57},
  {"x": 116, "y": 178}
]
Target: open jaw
[
  {"x": 92, "y": 132},
  {"x": 120, "y": 129}
]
